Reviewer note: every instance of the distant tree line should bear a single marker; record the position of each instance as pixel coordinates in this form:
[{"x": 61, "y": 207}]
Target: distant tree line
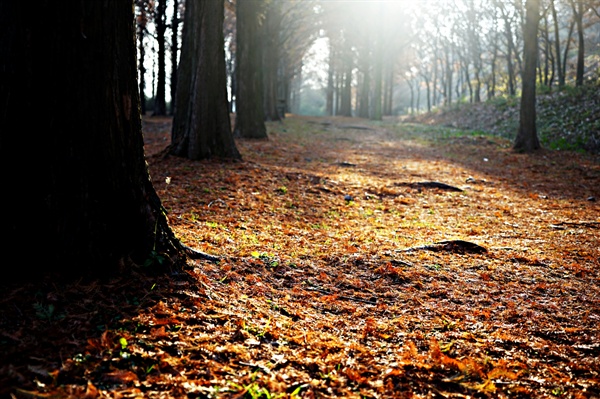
[
  {"x": 472, "y": 50},
  {"x": 384, "y": 58}
]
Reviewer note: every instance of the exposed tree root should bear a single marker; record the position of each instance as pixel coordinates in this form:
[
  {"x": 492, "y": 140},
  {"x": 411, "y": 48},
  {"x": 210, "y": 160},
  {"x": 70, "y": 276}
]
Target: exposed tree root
[
  {"x": 430, "y": 184},
  {"x": 457, "y": 246}
]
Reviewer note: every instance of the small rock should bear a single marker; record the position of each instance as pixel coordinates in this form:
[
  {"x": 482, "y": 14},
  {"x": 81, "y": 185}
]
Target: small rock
[
  {"x": 591, "y": 199},
  {"x": 348, "y": 197}
]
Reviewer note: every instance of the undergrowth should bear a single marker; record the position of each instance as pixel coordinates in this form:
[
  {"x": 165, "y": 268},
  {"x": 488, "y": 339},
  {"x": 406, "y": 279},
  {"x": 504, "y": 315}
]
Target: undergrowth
[{"x": 567, "y": 119}]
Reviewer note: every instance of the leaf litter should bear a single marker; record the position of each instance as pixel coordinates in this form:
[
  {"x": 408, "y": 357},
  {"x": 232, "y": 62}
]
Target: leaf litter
[{"x": 340, "y": 274}]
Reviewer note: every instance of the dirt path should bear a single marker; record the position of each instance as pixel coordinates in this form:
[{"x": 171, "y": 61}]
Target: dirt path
[{"x": 325, "y": 295}]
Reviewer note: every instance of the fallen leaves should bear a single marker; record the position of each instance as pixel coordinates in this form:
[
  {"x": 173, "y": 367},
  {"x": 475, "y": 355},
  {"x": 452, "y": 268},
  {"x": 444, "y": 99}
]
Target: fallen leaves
[{"x": 314, "y": 294}]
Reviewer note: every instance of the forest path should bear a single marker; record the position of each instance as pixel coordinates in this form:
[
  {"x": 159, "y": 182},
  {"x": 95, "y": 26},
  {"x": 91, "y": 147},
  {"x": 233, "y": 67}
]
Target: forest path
[{"x": 332, "y": 271}]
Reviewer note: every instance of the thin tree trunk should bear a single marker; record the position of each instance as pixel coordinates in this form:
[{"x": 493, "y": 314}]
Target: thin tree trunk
[
  {"x": 578, "y": 15},
  {"x": 559, "y": 67},
  {"x": 160, "y": 104},
  {"x": 142, "y": 20},
  {"x": 174, "y": 50},
  {"x": 329, "y": 107}
]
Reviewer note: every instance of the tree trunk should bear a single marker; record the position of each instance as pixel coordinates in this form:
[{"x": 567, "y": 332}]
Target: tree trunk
[
  {"x": 388, "y": 96},
  {"x": 346, "y": 100},
  {"x": 578, "y": 15},
  {"x": 250, "y": 116},
  {"x": 364, "y": 88},
  {"x": 160, "y": 21},
  {"x": 527, "y": 139},
  {"x": 377, "y": 113},
  {"x": 85, "y": 195},
  {"x": 271, "y": 55},
  {"x": 329, "y": 107},
  {"x": 142, "y": 20},
  {"x": 174, "y": 50},
  {"x": 565, "y": 56},
  {"x": 448, "y": 87},
  {"x": 559, "y": 68},
  {"x": 201, "y": 124}
]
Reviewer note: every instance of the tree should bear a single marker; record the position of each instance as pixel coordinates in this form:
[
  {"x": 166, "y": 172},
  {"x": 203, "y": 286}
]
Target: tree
[
  {"x": 250, "y": 117},
  {"x": 558, "y": 63},
  {"x": 527, "y": 139},
  {"x": 160, "y": 21},
  {"x": 201, "y": 124},
  {"x": 271, "y": 58},
  {"x": 84, "y": 201},
  {"x": 578, "y": 11},
  {"x": 142, "y": 21},
  {"x": 174, "y": 50}
]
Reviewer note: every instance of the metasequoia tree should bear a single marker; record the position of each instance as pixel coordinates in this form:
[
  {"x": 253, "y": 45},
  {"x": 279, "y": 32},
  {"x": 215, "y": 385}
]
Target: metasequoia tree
[
  {"x": 160, "y": 22},
  {"x": 527, "y": 139},
  {"x": 201, "y": 124},
  {"x": 175, "y": 22},
  {"x": 142, "y": 21},
  {"x": 249, "y": 111},
  {"x": 270, "y": 41},
  {"x": 578, "y": 10},
  {"x": 83, "y": 200},
  {"x": 557, "y": 53}
]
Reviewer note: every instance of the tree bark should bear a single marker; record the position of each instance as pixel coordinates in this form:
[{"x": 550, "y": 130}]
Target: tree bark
[
  {"x": 83, "y": 203},
  {"x": 249, "y": 117},
  {"x": 527, "y": 139},
  {"x": 201, "y": 124}
]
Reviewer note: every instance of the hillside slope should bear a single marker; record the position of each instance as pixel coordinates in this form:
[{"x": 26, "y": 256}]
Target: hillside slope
[{"x": 568, "y": 119}]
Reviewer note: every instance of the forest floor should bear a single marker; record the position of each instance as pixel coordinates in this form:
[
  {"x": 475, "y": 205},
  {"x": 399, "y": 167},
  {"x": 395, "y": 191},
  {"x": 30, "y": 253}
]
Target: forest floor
[{"x": 359, "y": 259}]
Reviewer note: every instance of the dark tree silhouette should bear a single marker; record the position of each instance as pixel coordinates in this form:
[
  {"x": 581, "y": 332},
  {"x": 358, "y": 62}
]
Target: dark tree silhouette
[
  {"x": 201, "y": 124},
  {"x": 174, "y": 50},
  {"x": 250, "y": 117},
  {"x": 142, "y": 21},
  {"x": 527, "y": 139},
  {"x": 81, "y": 197},
  {"x": 160, "y": 21}
]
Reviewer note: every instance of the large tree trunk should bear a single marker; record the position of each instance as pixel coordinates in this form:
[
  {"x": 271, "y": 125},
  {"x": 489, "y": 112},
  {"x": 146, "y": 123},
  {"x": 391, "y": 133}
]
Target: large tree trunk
[
  {"x": 79, "y": 194},
  {"x": 201, "y": 125},
  {"x": 271, "y": 54},
  {"x": 250, "y": 117},
  {"x": 527, "y": 139}
]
